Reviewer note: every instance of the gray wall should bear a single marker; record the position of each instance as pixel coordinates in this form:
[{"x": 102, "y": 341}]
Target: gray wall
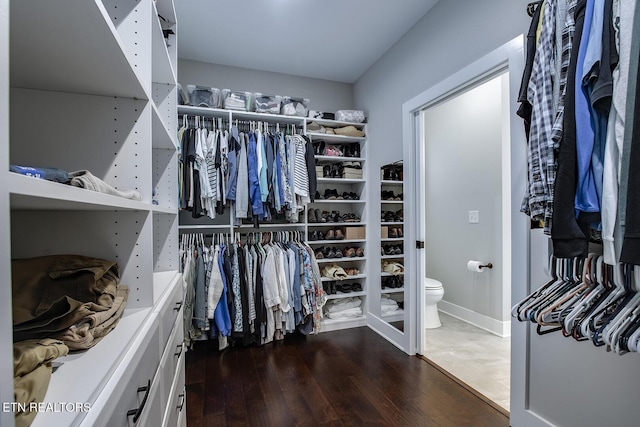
[
  {"x": 324, "y": 95},
  {"x": 454, "y": 153},
  {"x": 571, "y": 384}
]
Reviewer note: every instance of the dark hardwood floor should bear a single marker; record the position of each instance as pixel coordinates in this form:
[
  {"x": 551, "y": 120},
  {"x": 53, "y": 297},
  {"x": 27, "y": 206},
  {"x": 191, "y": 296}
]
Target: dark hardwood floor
[{"x": 344, "y": 378}]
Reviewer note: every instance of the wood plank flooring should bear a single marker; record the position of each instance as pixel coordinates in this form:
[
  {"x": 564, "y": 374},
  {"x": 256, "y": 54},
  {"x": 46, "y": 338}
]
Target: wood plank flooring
[{"x": 344, "y": 378}]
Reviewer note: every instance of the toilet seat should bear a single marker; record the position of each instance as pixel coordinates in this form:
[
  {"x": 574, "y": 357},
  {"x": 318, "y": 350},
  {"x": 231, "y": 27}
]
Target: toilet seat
[{"x": 432, "y": 284}]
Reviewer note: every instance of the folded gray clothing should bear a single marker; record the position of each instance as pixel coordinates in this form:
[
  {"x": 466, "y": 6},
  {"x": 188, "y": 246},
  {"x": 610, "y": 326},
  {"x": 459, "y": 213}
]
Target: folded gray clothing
[{"x": 85, "y": 179}]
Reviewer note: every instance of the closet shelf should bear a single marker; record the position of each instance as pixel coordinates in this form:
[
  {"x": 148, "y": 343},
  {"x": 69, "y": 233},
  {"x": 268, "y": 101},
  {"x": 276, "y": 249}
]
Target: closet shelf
[
  {"x": 162, "y": 69},
  {"x": 394, "y": 315},
  {"x": 392, "y": 223},
  {"x": 340, "y": 181},
  {"x": 335, "y": 138},
  {"x": 329, "y": 242},
  {"x": 345, "y": 259},
  {"x": 357, "y": 276},
  {"x": 270, "y": 225},
  {"x": 329, "y": 325},
  {"x": 266, "y": 117},
  {"x": 334, "y": 123},
  {"x": 346, "y": 295},
  {"x": 346, "y": 202},
  {"x": 94, "y": 367},
  {"x": 391, "y": 182},
  {"x": 205, "y": 227},
  {"x": 162, "y": 138},
  {"x": 392, "y": 202},
  {"x": 163, "y": 280},
  {"x": 338, "y": 159},
  {"x": 37, "y": 194},
  {"x": 203, "y": 111},
  {"x": 392, "y": 256},
  {"x": 98, "y": 65},
  {"x": 164, "y": 210},
  {"x": 337, "y": 224},
  {"x": 392, "y": 291},
  {"x": 385, "y": 274},
  {"x": 393, "y": 239}
]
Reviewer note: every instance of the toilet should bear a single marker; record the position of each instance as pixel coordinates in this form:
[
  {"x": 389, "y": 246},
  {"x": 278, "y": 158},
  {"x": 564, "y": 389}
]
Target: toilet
[{"x": 433, "y": 292}]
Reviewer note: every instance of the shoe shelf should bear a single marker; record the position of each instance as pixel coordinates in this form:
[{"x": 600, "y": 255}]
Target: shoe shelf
[
  {"x": 354, "y": 277},
  {"x": 340, "y": 181},
  {"x": 336, "y": 139},
  {"x": 392, "y": 290},
  {"x": 328, "y": 242},
  {"x": 341, "y": 295},
  {"x": 391, "y": 188},
  {"x": 340, "y": 201},
  {"x": 392, "y": 256},
  {"x": 343, "y": 259},
  {"x": 336, "y": 159},
  {"x": 335, "y": 224}
]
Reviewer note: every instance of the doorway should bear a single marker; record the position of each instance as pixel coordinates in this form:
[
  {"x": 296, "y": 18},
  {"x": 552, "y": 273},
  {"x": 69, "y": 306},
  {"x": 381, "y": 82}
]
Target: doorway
[
  {"x": 467, "y": 204},
  {"x": 465, "y": 222}
]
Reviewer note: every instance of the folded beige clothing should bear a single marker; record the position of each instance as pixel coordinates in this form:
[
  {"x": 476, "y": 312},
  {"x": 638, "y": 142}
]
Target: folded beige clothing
[
  {"x": 32, "y": 373},
  {"x": 349, "y": 131},
  {"x": 93, "y": 327}
]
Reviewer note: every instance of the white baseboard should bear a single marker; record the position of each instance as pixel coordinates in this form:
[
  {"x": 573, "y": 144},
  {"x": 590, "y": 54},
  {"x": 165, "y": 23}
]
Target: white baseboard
[{"x": 489, "y": 324}]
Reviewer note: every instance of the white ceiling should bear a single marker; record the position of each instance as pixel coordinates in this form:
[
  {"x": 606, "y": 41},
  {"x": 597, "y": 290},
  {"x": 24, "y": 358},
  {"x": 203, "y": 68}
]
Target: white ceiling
[{"x": 326, "y": 39}]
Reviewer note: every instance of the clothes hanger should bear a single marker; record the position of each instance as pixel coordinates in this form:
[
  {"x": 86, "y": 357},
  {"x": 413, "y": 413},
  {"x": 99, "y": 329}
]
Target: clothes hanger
[{"x": 603, "y": 317}]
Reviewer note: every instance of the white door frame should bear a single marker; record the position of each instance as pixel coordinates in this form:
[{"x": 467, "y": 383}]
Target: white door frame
[{"x": 509, "y": 57}]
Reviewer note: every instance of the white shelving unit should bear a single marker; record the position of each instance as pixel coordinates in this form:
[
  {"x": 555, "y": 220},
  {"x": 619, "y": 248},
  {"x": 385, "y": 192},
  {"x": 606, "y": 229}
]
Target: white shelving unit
[
  {"x": 93, "y": 87},
  {"x": 391, "y": 183},
  {"x": 223, "y": 223}
]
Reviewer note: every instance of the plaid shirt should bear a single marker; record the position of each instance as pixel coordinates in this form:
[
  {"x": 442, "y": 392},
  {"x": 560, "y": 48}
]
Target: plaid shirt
[{"x": 538, "y": 202}]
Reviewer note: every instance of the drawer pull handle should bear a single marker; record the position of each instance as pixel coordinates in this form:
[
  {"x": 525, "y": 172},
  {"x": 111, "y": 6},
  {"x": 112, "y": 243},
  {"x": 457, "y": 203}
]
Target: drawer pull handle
[
  {"x": 179, "y": 353},
  {"x": 178, "y": 306},
  {"x": 137, "y": 412},
  {"x": 181, "y": 405}
]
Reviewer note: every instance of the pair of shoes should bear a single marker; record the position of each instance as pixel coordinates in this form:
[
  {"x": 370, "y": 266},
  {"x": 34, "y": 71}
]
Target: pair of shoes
[
  {"x": 334, "y": 234},
  {"x": 356, "y": 287},
  {"x": 392, "y": 282},
  {"x": 352, "y": 252},
  {"x": 331, "y": 194},
  {"x": 351, "y": 150},
  {"x": 311, "y": 216},
  {"x": 333, "y": 151},
  {"x": 390, "y": 196},
  {"x": 318, "y": 196},
  {"x": 316, "y": 235},
  {"x": 392, "y": 173},
  {"x": 392, "y": 250},
  {"x": 390, "y": 216},
  {"x": 332, "y": 171},
  {"x": 352, "y": 271},
  {"x": 395, "y": 233},
  {"x": 329, "y": 287},
  {"x": 351, "y": 217},
  {"x": 318, "y": 148},
  {"x": 328, "y": 252},
  {"x": 343, "y": 288},
  {"x": 350, "y": 196}
]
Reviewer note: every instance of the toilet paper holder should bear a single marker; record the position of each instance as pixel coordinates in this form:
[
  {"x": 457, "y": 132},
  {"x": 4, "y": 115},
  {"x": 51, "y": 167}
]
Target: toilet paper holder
[{"x": 478, "y": 266}]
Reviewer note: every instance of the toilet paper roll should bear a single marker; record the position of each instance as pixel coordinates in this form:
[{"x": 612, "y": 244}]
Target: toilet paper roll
[{"x": 475, "y": 266}]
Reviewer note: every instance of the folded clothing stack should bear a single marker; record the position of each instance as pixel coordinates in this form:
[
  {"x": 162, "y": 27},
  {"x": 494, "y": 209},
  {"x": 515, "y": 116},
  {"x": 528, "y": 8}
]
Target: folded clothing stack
[
  {"x": 343, "y": 308},
  {"x": 387, "y": 304}
]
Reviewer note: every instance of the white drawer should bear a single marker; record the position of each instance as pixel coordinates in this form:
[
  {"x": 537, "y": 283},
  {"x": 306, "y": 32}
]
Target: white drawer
[
  {"x": 174, "y": 352},
  {"x": 131, "y": 388},
  {"x": 168, "y": 308},
  {"x": 177, "y": 404},
  {"x": 151, "y": 415}
]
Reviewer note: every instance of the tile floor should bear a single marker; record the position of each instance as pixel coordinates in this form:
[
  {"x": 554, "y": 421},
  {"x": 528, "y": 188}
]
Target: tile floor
[{"x": 477, "y": 357}]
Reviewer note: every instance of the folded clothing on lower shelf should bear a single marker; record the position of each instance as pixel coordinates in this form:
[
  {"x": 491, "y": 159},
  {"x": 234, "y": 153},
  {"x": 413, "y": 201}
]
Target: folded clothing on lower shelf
[
  {"x": 343, "y": 308},
  {"x": 387, "y": 304}
]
